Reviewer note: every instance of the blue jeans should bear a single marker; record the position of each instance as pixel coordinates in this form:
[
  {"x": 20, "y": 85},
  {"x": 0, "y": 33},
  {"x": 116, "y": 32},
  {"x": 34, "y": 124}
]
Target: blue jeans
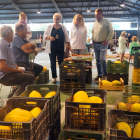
[{"x": 100, "y": 54}]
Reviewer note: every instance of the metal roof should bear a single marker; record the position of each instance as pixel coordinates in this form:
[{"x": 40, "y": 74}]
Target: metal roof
[{"x": 10, "y": 9}]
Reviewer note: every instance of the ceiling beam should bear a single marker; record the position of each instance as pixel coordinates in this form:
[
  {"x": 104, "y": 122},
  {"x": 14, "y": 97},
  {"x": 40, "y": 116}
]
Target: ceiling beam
[
  {"x": 60, "y": 7},
  {"x": 12, "y": 13},
  {"x": 71, "y": 16},
  {"x": 126, "y": 5},
  {"x": 58, "y": 10},
  {"x": 17, "y": 8}
]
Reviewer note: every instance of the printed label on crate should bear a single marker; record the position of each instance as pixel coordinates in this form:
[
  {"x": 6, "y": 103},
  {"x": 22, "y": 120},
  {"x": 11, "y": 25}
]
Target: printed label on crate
[
  {"x": 86, "y": 69},
  {"x": 71, "y": 74}
]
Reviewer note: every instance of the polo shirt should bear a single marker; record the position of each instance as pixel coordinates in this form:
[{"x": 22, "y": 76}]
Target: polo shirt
[
  {"x": 7, "y": 55},
  {"x": 19, "y": 54}
]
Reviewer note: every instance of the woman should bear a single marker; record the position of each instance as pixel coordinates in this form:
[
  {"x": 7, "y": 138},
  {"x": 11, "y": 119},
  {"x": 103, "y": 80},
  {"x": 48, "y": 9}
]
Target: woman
[
  {"x": 134, "y": 43},
  {"x": 55, "y": 37},
  {"x": 22, "y": 20},
  {"x": 78, "y": 35},
  {"x": 122, "y": 44}
]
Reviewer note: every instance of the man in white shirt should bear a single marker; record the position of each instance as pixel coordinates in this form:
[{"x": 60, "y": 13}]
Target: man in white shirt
[{"x": 102, "y": 32}]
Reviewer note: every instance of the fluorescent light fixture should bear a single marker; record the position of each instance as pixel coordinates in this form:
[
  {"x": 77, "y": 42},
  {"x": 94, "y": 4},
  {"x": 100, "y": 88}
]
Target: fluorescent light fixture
[
  {"x": 38, "y": 11},
  {"x": 122, "y": 5},
  {"x": 88, "y": 10}
]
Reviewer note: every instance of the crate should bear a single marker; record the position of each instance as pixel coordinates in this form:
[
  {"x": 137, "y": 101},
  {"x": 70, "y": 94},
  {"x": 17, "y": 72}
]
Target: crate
[
  {"x": 111, "y": 87},
  {"x": 68, "y": 85},
  {"x": 25, "y": 130},
  {"x": 88, "y": 75},
  {"x": 54, "y": 105},
  {"x": 80, "y": 135},
  {"x": 111, "y": 77},
  {"x": 87, "y": 63},
  {"x": 55, "y": 129},
  {"x": 115, "y": 116},
  {"x": 71, "y": 70},
  {"x": 136, "y": 76},
  {"x": 129, "y": 91},
  {"x": 81, "y": 118},
  {"x": 43, "y": 77},
  {"x": 137, "y": 60},
  {"x": 122, "y": 67},
  {"x": 135, "y": 84}
]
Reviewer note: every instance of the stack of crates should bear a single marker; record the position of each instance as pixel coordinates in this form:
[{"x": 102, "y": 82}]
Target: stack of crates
[
  {"x": 88, "y": 69},
  {"x": 85, "y": 119},
  {"x": 136, "y": 70},
  {"x": 43, "y": 77},
  {"x": 115, "y": 71},
  {"x": 72, "y": 75},
  {"x": 131, "y": 95},
  {"x": 54, "y": 106}
]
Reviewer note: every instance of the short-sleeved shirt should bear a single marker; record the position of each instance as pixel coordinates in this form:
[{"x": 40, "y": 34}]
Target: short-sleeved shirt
[
  {"x": 129, "y": 39},
  {"x": 19, "y": 54},
  {"x": 58, "y": 44},
  {"x": 7, "y": 55},
  {"x": 134, "y": 44}
]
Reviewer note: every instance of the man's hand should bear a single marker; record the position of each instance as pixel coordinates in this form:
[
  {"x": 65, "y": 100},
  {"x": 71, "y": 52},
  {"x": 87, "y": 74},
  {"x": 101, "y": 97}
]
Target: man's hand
[
  {"x": 105, "y": 42},
  {"x": 36, "y": 52},
  {"x": 20, "y": 70},
  {"x": 52, "y": 38},
  {"x": 28, "y": 46}
]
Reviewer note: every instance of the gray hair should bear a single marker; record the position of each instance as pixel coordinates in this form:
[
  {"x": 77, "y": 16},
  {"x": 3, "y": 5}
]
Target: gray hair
[
  {"x": 19, "y": 26},
  {"x": 4, "y": 29},
  {"x": 58, "y": 15}
]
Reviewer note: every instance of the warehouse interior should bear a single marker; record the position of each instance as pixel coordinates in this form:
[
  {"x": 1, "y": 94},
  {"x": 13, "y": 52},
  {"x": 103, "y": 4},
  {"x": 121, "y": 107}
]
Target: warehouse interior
[{"x": 122, "y": 11}]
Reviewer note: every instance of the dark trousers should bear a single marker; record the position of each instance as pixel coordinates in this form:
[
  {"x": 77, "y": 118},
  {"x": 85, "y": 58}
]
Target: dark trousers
[
  {"x": 21, "y": 79},
  {"x": 60, "y": 57},
  {"x": 36, "y": 67}
]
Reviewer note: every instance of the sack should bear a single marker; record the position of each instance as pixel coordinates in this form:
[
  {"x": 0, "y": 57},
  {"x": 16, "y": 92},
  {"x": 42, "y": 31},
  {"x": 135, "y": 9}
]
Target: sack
[{"x": 66, "y": 53}]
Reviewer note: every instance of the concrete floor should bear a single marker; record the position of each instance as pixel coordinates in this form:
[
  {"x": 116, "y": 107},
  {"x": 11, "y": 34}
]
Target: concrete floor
[{"x": 43, "y": 59}]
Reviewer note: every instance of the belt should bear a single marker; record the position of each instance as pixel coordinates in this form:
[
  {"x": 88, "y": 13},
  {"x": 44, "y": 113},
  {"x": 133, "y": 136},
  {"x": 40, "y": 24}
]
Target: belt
[{"x": 98, "y": 42}]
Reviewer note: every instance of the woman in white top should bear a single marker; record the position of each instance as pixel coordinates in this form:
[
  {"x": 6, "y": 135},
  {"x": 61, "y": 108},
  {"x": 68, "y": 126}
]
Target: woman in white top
[
  {"x": 56, "y": 36},
  {"x": 122, "y": 44},
  {"x": 78, "y": 35},
  {"x": 22, "y": 20}
]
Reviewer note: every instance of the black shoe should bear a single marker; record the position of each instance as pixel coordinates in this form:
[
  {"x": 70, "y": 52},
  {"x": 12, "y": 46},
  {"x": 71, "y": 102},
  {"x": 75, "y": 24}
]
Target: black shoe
[{"x": 97, "y": 78}]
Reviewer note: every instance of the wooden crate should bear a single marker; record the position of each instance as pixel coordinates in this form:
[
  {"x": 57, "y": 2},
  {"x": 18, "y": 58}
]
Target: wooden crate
[{"x": 111, "y": 87}]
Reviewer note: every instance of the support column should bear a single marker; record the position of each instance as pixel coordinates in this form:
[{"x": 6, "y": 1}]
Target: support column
[{"x": 138, "y": 27}]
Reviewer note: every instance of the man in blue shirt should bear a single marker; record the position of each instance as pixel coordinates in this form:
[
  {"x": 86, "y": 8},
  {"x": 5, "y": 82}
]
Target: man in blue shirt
[
  {"x": 21, "y": 49},
  {"x": 10, "y": 73}
]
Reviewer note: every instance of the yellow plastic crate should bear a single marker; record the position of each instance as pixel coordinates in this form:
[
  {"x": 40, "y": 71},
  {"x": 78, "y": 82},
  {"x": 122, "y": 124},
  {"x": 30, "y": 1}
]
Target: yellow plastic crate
[
  {"x": 136, "y": 76},
  {"x": 111, "y": 87}
]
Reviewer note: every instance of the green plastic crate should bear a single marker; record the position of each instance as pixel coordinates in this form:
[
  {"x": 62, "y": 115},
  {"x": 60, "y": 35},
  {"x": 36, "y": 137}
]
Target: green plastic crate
[
  {"x": 129, "y": 91},
  {"x": 118, "y": 67},
  {"x": 43, "y": 77},
  {"x": 54, "y": 104},
  {"x": 80, "y": 135}
]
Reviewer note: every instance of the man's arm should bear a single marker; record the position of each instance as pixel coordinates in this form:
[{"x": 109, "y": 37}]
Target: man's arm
[
  {"x": 8, "y": 69},
  {"x": 110, "y": 31},
  {"x": 28, "y": 48}
]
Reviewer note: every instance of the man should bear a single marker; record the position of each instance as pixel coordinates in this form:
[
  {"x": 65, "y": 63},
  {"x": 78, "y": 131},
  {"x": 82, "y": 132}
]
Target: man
[
  {"x": 129, "y": 39},
  {"x": 102, "y": 32},
  {"x": 10, "y": 73},
  {"x": 21, "y": 49}
]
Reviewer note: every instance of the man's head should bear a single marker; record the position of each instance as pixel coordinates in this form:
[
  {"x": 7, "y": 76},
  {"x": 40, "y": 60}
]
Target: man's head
[
  {"x": 128, "y": 34},
  {"x": 6, "y": 33},
  {"x": 21, "y": 30},
  {"x": 98, "y": 14}
]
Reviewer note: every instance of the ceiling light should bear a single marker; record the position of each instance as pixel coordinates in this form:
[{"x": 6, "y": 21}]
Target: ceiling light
[
  {"x": 88, "y": 10},
  {"x": 38, "y": 11},
  {"x": 122, "y": 5}
]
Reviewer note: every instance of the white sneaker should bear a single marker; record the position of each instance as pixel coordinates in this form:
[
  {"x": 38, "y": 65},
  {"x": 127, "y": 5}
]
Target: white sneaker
[{"x": 54, "y": 80}]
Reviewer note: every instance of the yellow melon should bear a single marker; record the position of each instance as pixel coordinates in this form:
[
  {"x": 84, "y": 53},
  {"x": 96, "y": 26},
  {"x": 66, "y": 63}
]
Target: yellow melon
[
  {"x": 50, "y": 94},
  {"x": 122, "y": 106},
  {"x": 135, "y": 107},
  {"x": 133, "y": 99},
  {"x": 35, "y": 112},
  {"x": 117, "y": 62},
  {"x": 116, "y": 83},
  {"x": 136, "y": 131},
  {"x": 80, "y": 95},
  {"x": 125, "y": 127},
  {"x": 34, "y": 93},
  {"x": 94, "y": 99}
]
